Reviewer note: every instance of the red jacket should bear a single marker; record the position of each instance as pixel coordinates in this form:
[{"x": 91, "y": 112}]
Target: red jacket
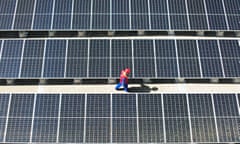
[{"x": 123, "y": 77}]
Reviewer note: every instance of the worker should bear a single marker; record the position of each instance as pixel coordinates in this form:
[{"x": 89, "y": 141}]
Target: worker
[{"x": 124, "y": 79}]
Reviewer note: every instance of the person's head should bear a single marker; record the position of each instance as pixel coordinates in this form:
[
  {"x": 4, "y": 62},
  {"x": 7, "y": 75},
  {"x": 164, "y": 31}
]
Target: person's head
[{"x": 127, "y": 71}]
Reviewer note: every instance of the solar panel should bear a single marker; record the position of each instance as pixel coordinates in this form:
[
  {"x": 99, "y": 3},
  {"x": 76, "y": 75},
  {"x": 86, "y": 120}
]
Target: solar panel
[
  {"x": 105, "y": 58},
  {"x": 119, "y": 15}
]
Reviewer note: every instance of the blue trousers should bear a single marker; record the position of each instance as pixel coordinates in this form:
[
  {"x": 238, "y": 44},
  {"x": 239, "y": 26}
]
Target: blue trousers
[{"x": 125, "y": 86}]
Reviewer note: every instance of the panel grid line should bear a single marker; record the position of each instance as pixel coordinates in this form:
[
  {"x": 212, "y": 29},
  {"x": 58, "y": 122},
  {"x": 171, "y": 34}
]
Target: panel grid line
[
  {"x": 59, "y": 116},
  {"x": 85, "y": 118},
  {"x": 88, "y": 58},
  {"x": 189, "y": 118},
  {"x": 199, "y": 59},
  {"x": 33, "y": 114},
  {"x": 187, "y": 13},
  {"x": 110, "y": 58},
  {"x": 137, "y": 118},
  {"x": 14, "y": 15},
  {"x": 53, "y": 11},
  {"x": 225, "y": 14},
  {"x": 215, "y": 119},
  {"x": 21, "y": 61},
  {"x": 206, "y": 13},
  {"x": 237, "y": 100},
  {"x": 6, "y": 124},
  {"x": 91, "y": 14},
  {"x": 66, "y": 60},
  {"x": 1, "y": 50},
  {"x": 33, "y": 16},
  {"x": 130, "y": 15},
  {"x": 149, "y": 15},
  {"x": 44, "y": 54},
  {"x": 155, "y": 57},
  {"x": 168, "y": 13},
  {"x": 178, "y": 67},
  {"x": 72, "y": 12},
  {"x": 110, "y": 21},
  {"x": 220, "y": 54},
  {"x": 111, "y": 119},
  {"x": 163, "y": 118},
  {"x": 132, "y": 59}
]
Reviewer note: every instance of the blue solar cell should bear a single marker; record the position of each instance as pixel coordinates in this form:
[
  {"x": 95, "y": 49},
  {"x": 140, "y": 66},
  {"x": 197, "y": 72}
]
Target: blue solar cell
[
  {"x": 175, "y": 105},
  {"x": 76, "y": 68},
  {"x": 34, "y": 48},
  {"x": 81, "y": 21},
  {"x": 217, "y": 22},
  {"x": 200, "y": 105},
  {"x": 167, "y": 68},
  {"x": 21, "y": 105},
  {"x": 118, "y": 64},
  {"x": 2, "y": 128},
  {"x": 203, "y": 130},
  {"x": 187, "y": 48},
  {"x": 198, "y": 22},
  {"x": 123, "y": 105},
  {"x": 120, "y": 6},
  {"x": 9, "y": 67},
  {"x": 158, "y": 6},
  {"x": 225, "y": 105},
  {"x": 177, "y": 130},
  {"x": 144, "y": 67},
  {"x": 140, "y": 21},
  {"x": 211, "y": 68},
  {"x": 44, "y": 7},
  {"x": 7, "y": 7},
  {"x": 12, "y": 49},
  {"x": 124, "y": 130},
  {"x": 45, "y": 130},
  {"x": 189, "y": 67},
  {"x": 82, "y": 6},
  {"x": 25, "y": 6},
  {"x": 98, "y": 130},
  {"x": 42, "y": 21},
  {"x": 47, "y": 105},
  {"x": 99, "y": 67},
  {"x": 62, "y": 21},
  {"x": 18, "y": 130},
  {"x": 100, "y": 21},
  {"x": 23, "y": 21},
  {"x": 121, "y": 48},
  {"x": 143, "y": 48},
  {"x": 228, "y": 129},
  {"x": 179, "y": 22},
  {"x": 4, "y": 98},
  {"x": 232, "y": 7},
  {"x": 159, "y": 22},
  {"x": 120, "y": 21},
  {"x": 214, "y": 7},
  {"x": 72, "y": 105},
  {"x": 149, "y": 105},
  {"x": 6, "y": 21},
  {"x": 55, "y": 49},
  {"x": 98, "y": 105},
  {"x": 165, "y": 48},
  {"x": 63, "y": 6},
  {"x": 151, "y": 130},
  {"x": 71, "y": 130},
  {"x": 54, "y": 68},
  {"x": 101, "y": 6},
  {"x": 233, "y": 22},
  {"x": 77, "y": 49},
  {"x": 99, "y": 48},
  {"x": 31, "y": 67},
  {"x": 177, "y": 6},
  {"x": 196, "y": 7},
  {"x": 139, "y": 6},
  {"x": 231, "y": 67},
  {"x": 208, "y": 48}
]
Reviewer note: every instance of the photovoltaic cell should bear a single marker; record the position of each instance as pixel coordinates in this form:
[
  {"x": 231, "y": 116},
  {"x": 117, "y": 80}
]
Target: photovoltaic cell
[
  {"x": 9, "y": 67},
  {"x": 82, "y": 6},
  {"x": 208, "y": 48},
  {"x": 99, "y": 67},
  {"x": 123, "y": 105},
  {"x": 120, "y": 21},
  {"x": 165, "y": 48},
  {"x": 34, "y": 48},
  {"x": 231, "y": 67},
  {"x": 12, "y": 49},
  {"x": 71, "y": 130},
  {"x": 124, "y": 130},
  {"x": 99, "y": 48},
  {"x": 211, "y": 67},
  {"x": 77, "y": 49},
  {"x": 81, "y": 21},
  {"x": 140, "y": 21},
  {"x": 230, "y": 48},
  {"x": 187, "y": 48},
  {"x": 159, "y": 22},
  {"x": 189, "y": 67},
  {"x": 158, "y": 6},
  {"x": 45, "y": 130},
  {"x": 7, "y": 6},
  {"x": 167, "y": 67},
  {"x": 4, "y": 98},
  {"x": 6, "y": 21},
  {"x": 98, "y": 105},
  {"x": 55, "y": 49},
  {"x": 198, "y": 22},
  {"x": 98, "y": 130},
  {"x": 143, "y": 48},
  {"x": 118, "y": 64},
  {"x": 31, "y": 67},
  {"x": 179, "y": 22},
  {"x": 121, "y": 48},
  {"x": 144, "y": 67},
  {"x": 2, "y": 128},
  {"x": 196, "y": 7},
  {"x": 54, "y": 67},
  {"x": 76, "y": 68}
]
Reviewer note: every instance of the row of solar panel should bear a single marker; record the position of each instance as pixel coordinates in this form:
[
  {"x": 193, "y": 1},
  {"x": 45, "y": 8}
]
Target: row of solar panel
[
  {"x": 119, "y": 118},
  {"x": 120, "y": 15},
  {"x": 106, "y": 58}
]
